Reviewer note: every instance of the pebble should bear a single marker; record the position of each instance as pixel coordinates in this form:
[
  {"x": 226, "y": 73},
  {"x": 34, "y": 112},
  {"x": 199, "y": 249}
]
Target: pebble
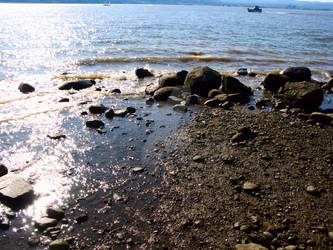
[
  {"x": 3, "y": 170},
  {"x": 95, "y": 124},
  {"x": 250, "y": 246},
  {"x": 330, "y": 236},
  {"x": 137, "y": 170},
  {"x": 33, "y": 240},
  {"x": 56, "y": 136},
  {"x": 121, "y": 112},
  {"x": 59, "y": 244},
  {"x": 291, "y": 247},
  {"x": 198, "y": 158},
  {"x": 4, "y": 224},
  {"x": 312, "y": 190},
  {"x": 131, "y": 110},
  {"x": 56, "y": 213},
  {"x": 109, "y": 114},
  {"x": 26, "y": 88},
  {"x": 180, "y": 108},
  {"x": 82, "y": 218},
  {"x": 64, "y": 100},
  {"x": 268, "y": 235},
  {"x": 249, "y": 186}
]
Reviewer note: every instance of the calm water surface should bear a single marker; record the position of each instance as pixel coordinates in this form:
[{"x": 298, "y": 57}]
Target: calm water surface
[{"x": 40, "y": 43}]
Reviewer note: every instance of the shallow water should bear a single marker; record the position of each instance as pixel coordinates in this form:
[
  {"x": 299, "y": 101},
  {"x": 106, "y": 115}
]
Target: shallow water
[{"x": 46, "y": 45}]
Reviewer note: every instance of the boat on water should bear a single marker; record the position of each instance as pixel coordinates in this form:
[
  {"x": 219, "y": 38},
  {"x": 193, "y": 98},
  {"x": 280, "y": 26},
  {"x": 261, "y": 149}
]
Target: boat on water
[{"x": 256, "y": 8}]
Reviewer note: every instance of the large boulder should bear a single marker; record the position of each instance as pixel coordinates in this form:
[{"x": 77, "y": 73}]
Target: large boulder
[
  {"x": 231, "y": 85},
  {"x": 14, "y": 190},
  {"x": 297, "y": 74},
  {"x": 26, "y": 88},
  {"x": 201, "y": 80},
  {"x": 304, "y": 95},
  {"x": 173, "y": 79},
  {"x": 273, "y": 82},
  {"x": 162, "y": 94},
  {"x": 77, "y": 85}
]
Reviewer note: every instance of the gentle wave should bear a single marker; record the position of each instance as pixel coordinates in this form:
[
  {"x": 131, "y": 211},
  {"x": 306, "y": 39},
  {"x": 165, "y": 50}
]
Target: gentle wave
[
  {"x": 325, "y": 39},
  {"x": 157, "y": 59}
]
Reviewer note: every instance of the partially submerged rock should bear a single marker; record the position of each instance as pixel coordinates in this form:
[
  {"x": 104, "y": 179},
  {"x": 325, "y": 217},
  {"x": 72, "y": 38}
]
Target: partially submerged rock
[
  {"x": 26, "y": 88},
  {"x": 15, "y": 191},
  {"x": 231, "y": 85},
  {"x": 297, "y": 74},
  {"x": 142, "y": 73},
  {"x": 173, "y": 79},
  {"x": 201, "y": 80},
  {"x": 95, "y": 124},
  {"x": 162, "y": 94},
  {"x": 3, "y": 170},
  {"x": 45, "y": 222},
  {"x": 274, "y": 81},
  {"x": 97, "y": 109},
  {"x": 59, "y": 244},
  {"x": 77, "y": 85}
]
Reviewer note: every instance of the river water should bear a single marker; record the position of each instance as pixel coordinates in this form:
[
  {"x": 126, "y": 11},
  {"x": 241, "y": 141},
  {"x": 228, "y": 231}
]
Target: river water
[{"x": 45, "y": 44}]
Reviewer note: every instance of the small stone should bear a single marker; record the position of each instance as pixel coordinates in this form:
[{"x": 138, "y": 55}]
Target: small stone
[
  {"x": 198, "y": 223},
  {"x": 137, "y": 170},
  {"x": 180, "y": 108},
  {"x": 121, "y": 112},
  {"x": 116, "y": 91},
  {"x": 290, "y": 247},
  {"x": 97, "y": 109},
  {"x": 268, "y": 235},
  {"x": 120, "y": 236},
  {"x": 33, "y": 240},
  {"x": 59, "y": 244},
  {"x": 45, "y": 222},
  {"x": 95, "y": 124},
  {"x": 4, "y": 223},
  {"x": 10, "y": 214},
  {"x": 3, "y": 170},
  {"x": 26, "y": 88},
  {"x": 250, "y": 246},
  {"x": 130, "y": 110},
  {"x": 117, "y": 197},
  {"x": 82, "y": 218},
  {"x": 56, "y": 136},
  {"x": 198, "y": 158},
  {"x": 64, "y": 100},
  {"x": 109, "y": 114},
  {"x": 312, "y": 190},
  {"x": 56, "y": 213},
  {"x": 249, "y": 186}
]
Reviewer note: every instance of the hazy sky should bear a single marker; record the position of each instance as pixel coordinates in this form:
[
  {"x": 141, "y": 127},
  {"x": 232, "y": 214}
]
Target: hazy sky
[{"x": 328, "y": 1}]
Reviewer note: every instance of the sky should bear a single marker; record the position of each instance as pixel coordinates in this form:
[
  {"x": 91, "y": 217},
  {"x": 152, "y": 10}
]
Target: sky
[{"x": 325, "y": 1}]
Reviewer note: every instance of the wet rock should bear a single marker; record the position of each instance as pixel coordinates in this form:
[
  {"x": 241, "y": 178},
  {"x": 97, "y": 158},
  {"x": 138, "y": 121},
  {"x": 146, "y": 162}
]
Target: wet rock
[
  {"x": 150, "y": 101},
  {"x": 3, "y": 170},
  {"x": 303, "y": 95},
  {"x": 273, "y": 82},
  {"x": 180, "y": 108},
  {"x": 321, "y": 118},
  {"x": 151, "y": 89},
  {"x": 261, "y": 103},
  {"x": 330, "y": 236},
  {"x": 250, "y": 246},
  {"x": 33, "y": 240},
  {"x": 116, "y": 91},
  {"x": 120, "y": 112},
  {"x": 45, "y": 222},
  {"x": 268, "y": 235},
  {"x": 174, "y": 100},
  {"x": 242, "y": 72},
  {"x": 142, "y": 73},
  {"x": 297, "y": 74},
  {"x": 173, "y": 79},
  {"x": 252, "y": 74},
  {"x": 95, "y": 124},
  {"x": 234, "y": 98},
  {"x": 26, "y": 88},
  {"x": 64, "y": 100},
  {"x": 162, "y": 94},
  {"x": 97, "y": 109},
  {"x": 137, "y": 170},
  {"x": 201, "y": 80},
  {"x": 249, "y": 186},
  {"x": 55, "y": 212},
  {"x": 312, "y": 190},
  {"x": 82, "y": 218},
  {"x": 130, "y": 110},
  {"x": 109, "y": 114},
  {"x": 10, "y": 214},
  {"x": 56, "y": 136},
  {"x": 231, "y": 85},
  {"x": 215, "y": 102},
  {"x": 120, "y": 236},
  {"x": 195, "y": 99},
  {"x": 244, "y": 133},
  {"x": 14, "y": 190},
  {"x": 77, "y": 85},
  {"x": 59, "y": 244}
]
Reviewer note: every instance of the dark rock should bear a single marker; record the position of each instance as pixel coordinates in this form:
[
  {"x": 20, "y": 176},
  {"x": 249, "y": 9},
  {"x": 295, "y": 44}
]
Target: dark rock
[
  {"x": 109, "y": 114},
  {"x": 116, "y": 91},
  {"x": 212, "y": 103},
  {"x": 56, "y": 213},
  {"x": 252, "y": 74},
  {"x": 261, "y": 103},
  {"x": 242, "y": 72},
  {"x": 173, "y": 79},
  {"x": 214, "y": 92},
  {"x": 195, "y": 99},
  {"x": 232, "y": 85},
  {"x": 149, "y": 101},
  {"x": 235, "y": 98},
  {"x": 15, "y": 191},
  {"x": 84, "y": 113},
  {"x": 45, "y": 222},
  {"x": 297, "y": 74},
  {"x": 180, "y": 108},
  {"x": 56, "y": 136},
  {"x": 174, "y": 100},
  {"x": 95, "y": 124},
  {"x": 250, "y": 246},
  {"x": 321, "y": 118},
  {"x": 3, "y": 170},
  {"x": 130, "y": 110},
  {"x": 162, "y": 94},
  {"x": 97, "y": 109},
  {"x": 328, "y": 73},
  {"x": 273, "y": 82},
  {"x": 142, "y": 73},
  {"x": 151, "y": 89},
  {"x": 4, "y": 223},
  {"x": 82, "y": 218},
  {"x": 77, "y": 85},
  {"x": 304, "y": 95},
  {"x": 26, "y": 88},
  {"x": 59, "y": 244},
  {"x": 33, "y": 240},
  {"x": 64, "y": 100},
  {"x": 201, "y": 80}
]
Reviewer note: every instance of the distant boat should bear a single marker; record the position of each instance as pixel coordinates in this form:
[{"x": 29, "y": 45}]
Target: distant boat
[{"x": 255, "y": 9}]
